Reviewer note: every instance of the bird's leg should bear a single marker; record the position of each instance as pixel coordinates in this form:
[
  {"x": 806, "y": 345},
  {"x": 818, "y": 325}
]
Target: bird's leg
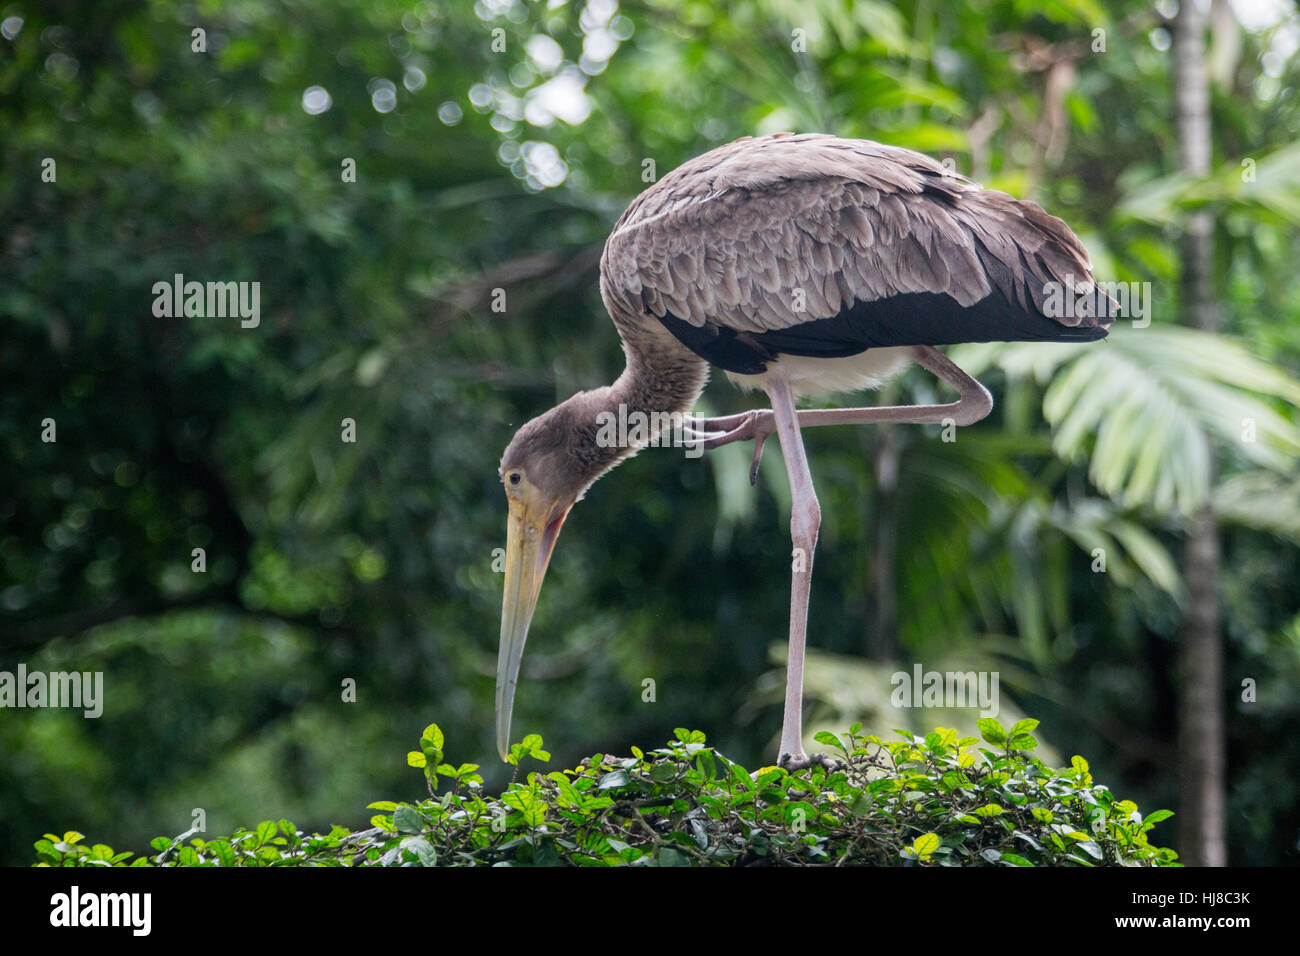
[
  {"x": 805, "y": 520},
  {"x": 973, "y": 404},
  {"x": 974, "y": 401}
]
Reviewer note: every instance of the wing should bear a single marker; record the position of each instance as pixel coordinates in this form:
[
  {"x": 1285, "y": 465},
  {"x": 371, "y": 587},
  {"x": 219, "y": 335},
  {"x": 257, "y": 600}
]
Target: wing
[{"x": 814, "y": 245}]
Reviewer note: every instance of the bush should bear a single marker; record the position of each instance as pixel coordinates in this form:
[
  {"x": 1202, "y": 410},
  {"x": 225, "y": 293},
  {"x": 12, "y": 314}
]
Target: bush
[{"x": 931, "y": 801}]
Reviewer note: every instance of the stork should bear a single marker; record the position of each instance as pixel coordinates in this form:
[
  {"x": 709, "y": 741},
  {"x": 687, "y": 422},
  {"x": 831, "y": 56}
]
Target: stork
[{"x": 800, "y": 265}]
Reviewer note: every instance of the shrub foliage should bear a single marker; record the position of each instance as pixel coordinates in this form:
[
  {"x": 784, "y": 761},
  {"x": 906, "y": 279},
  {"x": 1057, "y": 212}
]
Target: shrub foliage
[{"x": 935, "y": 800}]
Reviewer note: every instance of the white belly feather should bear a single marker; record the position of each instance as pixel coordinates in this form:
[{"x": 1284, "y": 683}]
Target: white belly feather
[{"x": 825, "y": 376}]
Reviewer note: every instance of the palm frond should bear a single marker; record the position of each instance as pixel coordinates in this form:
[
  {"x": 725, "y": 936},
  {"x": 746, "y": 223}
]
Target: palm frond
[
  {"x": 1262, "y": 501},
  {"x": 1146, "y": 407}
]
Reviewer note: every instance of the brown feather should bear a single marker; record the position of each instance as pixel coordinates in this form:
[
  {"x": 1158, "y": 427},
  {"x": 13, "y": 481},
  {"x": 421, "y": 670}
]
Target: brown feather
[{"x": 844, "y": 220}]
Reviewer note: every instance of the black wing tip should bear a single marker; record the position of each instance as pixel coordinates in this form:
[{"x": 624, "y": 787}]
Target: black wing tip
[
  {"x": 720, "y": 345},
  {"x": 1084, "y": 333},
  {"x": 914, "y": 318}
]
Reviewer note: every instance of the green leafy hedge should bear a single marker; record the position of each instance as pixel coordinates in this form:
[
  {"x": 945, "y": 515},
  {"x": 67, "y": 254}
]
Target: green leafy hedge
[{"x": 936, "y": 800}]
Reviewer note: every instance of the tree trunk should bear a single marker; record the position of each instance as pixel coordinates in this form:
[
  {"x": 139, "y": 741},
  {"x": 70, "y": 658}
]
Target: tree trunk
[{"x": 1202, "y": 798}]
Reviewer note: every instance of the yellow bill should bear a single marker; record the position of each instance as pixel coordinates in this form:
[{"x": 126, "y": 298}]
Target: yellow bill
[{"x": 533, "y": 525}]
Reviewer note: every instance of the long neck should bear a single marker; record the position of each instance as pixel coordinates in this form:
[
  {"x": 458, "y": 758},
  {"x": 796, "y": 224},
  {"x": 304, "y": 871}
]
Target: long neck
[
  {"x": 661, "y": 383},
  {"x": 662, "y": 375}
]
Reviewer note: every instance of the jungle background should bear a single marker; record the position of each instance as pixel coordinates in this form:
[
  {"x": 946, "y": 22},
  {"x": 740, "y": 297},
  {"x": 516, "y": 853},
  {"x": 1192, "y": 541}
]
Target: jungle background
[{"x": 485, "y": 161}]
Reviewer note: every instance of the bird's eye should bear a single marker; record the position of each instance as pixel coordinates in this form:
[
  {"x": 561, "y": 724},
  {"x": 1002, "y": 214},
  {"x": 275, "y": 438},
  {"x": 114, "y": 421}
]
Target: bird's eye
[{"x": 514, "y": 477}]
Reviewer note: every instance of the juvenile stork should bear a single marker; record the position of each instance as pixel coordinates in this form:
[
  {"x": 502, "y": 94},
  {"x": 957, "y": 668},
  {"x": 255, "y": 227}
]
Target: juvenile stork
[{"x": 801, "y": 265}]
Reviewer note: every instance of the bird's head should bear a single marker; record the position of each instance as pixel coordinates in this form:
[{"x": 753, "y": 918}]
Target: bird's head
[{"x": 545, "y": 470}]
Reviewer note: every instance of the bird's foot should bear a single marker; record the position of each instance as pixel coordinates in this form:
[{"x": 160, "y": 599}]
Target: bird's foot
[
  {"x": 758, "y": 457},
  {"x": 716, "y": 432},
  {"x": 801, "y": 761}
]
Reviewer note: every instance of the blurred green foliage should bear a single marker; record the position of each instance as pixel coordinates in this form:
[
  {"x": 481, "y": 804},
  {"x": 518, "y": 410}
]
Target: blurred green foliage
[{"x": 480, "y": 169}]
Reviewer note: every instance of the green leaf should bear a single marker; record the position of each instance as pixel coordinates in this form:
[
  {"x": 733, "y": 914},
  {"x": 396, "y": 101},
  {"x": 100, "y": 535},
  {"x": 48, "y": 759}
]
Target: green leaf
[
  {"x": 1091, "y": 848},
  {"x": 706, "y": 764},
  {"x": 568, "y": 793},
  {"x": 991, "y": 730},
  {"x": 767, "y": 777},
  {"x": 546, "y": 854},
  {"x": 615, "y": 778},
  {"x": 424, "y": 852},
  {"x": 223, "y": 851},
  {"x": 267, "y": 854},
  {"x": 741, "y": 776},
  {"x": 1026, "y": 726},
  {"x": 663, "y": 772},
  {"x": 407, "y": 820},
  {"x": 433, "y": 734},
  {"x": 925, "y": 845}
]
